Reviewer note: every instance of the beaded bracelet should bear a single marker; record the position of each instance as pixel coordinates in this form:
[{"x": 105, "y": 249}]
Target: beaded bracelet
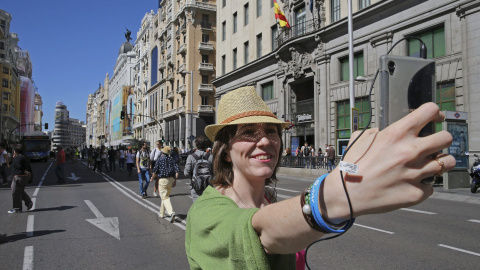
[{"x": 316, "y": 211}]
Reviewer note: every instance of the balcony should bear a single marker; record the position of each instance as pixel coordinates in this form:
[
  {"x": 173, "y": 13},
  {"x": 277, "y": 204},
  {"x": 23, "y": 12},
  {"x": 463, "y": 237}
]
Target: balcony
[
  {"x": 204, "y": 89},
  {"x": 297, "y": 30},
  {"x": 170, "y": 77},
  {"x": 169, "y": 55},
  {"x": 182, "y": 68},
  {"x": 177, "y": 34},
  {"x": 184, "y": 28},
  {"x": 205, "y": 109},
  {"x": 170, "y": 95},
  {"x": 205, "y": 26},
  {"x": 205, "y": 46},
  {"x": 182, "y": 89},
  {"x": 181, "y": 110},
  {"x": 205, "y": 67},
  {"x": 161, "y": 65},
  {"x": 182, "y": 49},
  {"x": 170, "y": 113}
]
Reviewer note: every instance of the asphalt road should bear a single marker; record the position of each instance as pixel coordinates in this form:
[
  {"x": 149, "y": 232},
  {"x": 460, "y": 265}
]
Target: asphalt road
[{"x": 99, "y": 221}]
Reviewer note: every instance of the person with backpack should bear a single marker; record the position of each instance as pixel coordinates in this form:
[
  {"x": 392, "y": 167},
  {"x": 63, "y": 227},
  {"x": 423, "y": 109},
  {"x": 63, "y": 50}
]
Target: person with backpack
[
  {"x": 166, "y": 170},
  {"x": 143, "y": 169},
  {"x": 199, "y": 168},
  {"x": 154, "y": 155}
]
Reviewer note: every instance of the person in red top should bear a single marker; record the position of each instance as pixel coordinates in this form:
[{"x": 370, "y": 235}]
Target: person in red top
[{"x": 60, "y": 169}]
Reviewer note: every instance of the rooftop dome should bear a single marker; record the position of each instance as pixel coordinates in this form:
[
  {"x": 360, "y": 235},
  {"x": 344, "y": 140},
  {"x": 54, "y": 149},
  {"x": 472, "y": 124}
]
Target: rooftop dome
[
  {"x": 60, "y": 103},
  {"x": 125, "y": 48}
]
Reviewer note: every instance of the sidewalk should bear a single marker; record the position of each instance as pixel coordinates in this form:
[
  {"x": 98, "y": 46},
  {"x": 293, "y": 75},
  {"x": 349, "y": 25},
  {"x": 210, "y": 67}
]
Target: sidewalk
[{"x": 458, "y": 194}]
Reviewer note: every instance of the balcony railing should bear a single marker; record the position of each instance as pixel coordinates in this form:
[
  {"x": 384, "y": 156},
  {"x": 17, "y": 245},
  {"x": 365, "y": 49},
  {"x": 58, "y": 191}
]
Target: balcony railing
[
  {"x": 182, "y": 67},
  {"x": 182, "y": 48},
  {"x": 205, "y": 109},
  {"x": 181, "y": 110},
  {"x": 205, "y": 25},
  {"x": 161, "y": 65},
  {"x": 205, "y": 46},
  {"x": 205, "y": 88},
  {"x": 170, "y": 77},
  {"x": 205, "y": 67},
  {"x": 297, "y": 30},
  {"x": 170, "y": 95},
  {"x": 170, "y": 113},
  {"x": 182, "y": 89},
  {"x": 183, "y": 28}
]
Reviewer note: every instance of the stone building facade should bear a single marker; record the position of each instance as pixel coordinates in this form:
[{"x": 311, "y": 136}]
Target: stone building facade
[{"x": 304, "y": 78}]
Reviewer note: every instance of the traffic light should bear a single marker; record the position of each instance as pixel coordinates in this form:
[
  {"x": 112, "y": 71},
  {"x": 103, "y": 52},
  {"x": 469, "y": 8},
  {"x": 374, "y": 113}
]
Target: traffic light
[
  {"x": 46, "y": 125},
  {"x": 163, "y": 139},
  {"x": 122, "y": 115}
]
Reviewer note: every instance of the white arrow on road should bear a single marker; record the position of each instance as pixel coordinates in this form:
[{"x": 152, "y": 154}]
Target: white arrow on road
[
  {"x": 73, "y": 177},
  {"x": 108, "y": 225}
]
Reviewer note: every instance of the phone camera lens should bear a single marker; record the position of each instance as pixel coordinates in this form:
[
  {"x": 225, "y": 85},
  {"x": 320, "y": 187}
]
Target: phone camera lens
[{"x": 391, "y": 67}]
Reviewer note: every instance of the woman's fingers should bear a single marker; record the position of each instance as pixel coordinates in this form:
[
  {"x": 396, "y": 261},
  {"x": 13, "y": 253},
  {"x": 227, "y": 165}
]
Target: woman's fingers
[
  {"x": 434, "y": 143},
  {"x": 438, "y": 165},
  {"x": 417, "y": 119}
]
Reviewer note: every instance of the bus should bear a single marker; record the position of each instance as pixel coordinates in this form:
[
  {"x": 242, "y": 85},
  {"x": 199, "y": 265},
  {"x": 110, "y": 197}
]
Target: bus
[{"x": 36, "y": 147}]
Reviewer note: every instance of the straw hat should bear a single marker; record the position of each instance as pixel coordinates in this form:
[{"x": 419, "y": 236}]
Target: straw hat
[
  {"x": 166, "y": 150},
  {"x": 242, "y": 106}
]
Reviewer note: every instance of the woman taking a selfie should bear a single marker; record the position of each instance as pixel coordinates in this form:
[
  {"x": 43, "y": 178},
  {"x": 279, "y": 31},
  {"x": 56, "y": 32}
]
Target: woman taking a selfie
[{"x": 233, "y": 226}]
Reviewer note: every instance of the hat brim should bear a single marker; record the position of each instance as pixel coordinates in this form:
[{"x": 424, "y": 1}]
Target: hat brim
[{"x": 212, "y": 130}]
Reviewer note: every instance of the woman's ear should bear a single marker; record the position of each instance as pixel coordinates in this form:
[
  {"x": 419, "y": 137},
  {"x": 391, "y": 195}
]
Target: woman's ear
[{"x": 227, "y": 158}]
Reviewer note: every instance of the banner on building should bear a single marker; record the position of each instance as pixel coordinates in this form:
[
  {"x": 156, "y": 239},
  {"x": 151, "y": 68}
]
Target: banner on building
[
  {"x": 128, "y": 107},
  {"x": 27, "y": 105},
  {"x": 116, "y": 131}
]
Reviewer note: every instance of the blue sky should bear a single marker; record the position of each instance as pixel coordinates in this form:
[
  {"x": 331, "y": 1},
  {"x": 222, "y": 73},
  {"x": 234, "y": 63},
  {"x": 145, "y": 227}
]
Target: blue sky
[{"x": 73, "y": 44}]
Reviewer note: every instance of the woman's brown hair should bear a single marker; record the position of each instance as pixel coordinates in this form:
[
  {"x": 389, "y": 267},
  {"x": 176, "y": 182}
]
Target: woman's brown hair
[{"x": 222, "y": 169}]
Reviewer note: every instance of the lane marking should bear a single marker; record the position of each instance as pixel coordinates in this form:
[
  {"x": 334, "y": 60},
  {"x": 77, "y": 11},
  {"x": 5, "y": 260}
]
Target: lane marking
[
  {"x": 41, "y": 181},
  {"x": 459, "y": 249},
  {"x": 30, "y": 225},
  {"x": 284, "y": 196},
  {"x": 28, "y": 258},
  {"x": 474, "y": 220},
  {"x": 371, "y": 228},
  {"x": 94, "y": 209},
  {"x": 418, "y": 211},
  {"x": 109, "y": 225},
  {"x": 155, "y": 209}
]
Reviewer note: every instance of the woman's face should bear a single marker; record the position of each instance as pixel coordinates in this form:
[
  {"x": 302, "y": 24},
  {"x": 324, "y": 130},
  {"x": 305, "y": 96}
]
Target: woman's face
[{"x": 254, "y": 150}]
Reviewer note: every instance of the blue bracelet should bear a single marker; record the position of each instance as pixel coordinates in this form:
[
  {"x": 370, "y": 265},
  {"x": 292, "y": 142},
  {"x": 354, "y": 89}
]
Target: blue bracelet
[{"x": 314, "y": 196}]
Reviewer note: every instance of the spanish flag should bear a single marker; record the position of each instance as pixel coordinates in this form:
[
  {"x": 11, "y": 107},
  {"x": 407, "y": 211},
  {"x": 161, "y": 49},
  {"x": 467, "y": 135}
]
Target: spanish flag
[{"x": 282, "y": 20}]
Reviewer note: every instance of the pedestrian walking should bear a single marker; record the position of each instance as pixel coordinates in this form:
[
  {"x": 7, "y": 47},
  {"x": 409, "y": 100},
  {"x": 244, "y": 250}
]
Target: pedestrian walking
[
  {"x": 97, "y": 157},
  {"x": 112, "y": 155},
  {"x": 201, "y": 142},
  {"x": 90, "y": 159},
  {"x": 331, "y": 158},
  {"x": 121, "y": 159},
  {"x": 22, "y": 175},
  {"x": 143, "y": 169},
  {"x": 167, "y": 171},
  {"x": 154, "y": 155},
  {"x": 60, "y": 168},
  {"x": 4, "y": 164},
  {"x": 130, "y": 161},
  {"x": 103, "y": 156}
]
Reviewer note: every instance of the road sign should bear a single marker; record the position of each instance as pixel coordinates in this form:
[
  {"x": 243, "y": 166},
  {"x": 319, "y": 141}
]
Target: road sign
[{"x": 354, "y": 119}]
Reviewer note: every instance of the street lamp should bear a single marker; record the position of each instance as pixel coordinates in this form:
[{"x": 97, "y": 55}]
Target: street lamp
[
  {"x": 350, "y": 66},
  {"x": 191, "y": 101}
]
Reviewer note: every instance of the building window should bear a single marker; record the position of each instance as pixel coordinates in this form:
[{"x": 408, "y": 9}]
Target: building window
[
  {"x": 267, "y": 91},
  {"x": 357, "y": 67},
  {"x": 224, "y": 3},
  {"x": 153, "y": 75},
  {"x": 245, "y": 52},
  {"x": 259, "y": 8},
  {"x": 2, "y": 45},
  {"x": 204, "y": 100},
  {"x": 205, "y": 58},
  {"x": 274, "y": 37},
  {"x": 183, "y": 100},
  {"x": 234, "y": 22},
  {"x": 343, "y": 116},
  {"x": 259, "y": 45},
  {"x": 5, "y": 70},
  {"x": 5, "y": 83},
  {"x": 363, "y": 4},
  {"x": 245, "y": 14},
  {"x": 335, "y": 5},
  {"x": 205, "y": 38},
  {"x": 223, "y": 64},
  {"x": 204, "y": 79},
  {"x": 434, "y": 39},
  {"x": 234, "y": 58},
  {"x": 224, "y": 30},
  {"x": 299, "y": 26}
]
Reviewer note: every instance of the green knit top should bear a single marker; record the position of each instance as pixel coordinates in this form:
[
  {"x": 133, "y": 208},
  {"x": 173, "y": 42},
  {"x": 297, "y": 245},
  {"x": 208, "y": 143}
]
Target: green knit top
[{"x": 220, "y": 235}]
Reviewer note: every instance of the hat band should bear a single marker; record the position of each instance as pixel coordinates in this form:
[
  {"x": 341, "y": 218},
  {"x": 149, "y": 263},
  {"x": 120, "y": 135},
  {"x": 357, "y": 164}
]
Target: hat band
[{"x": 247, "y": 114}]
